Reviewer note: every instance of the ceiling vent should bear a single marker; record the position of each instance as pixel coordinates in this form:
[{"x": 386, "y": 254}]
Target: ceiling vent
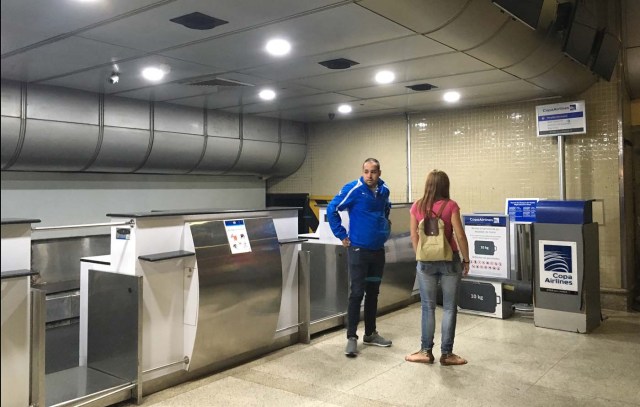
[
  {"x": 420, "y": 87},
  {"x": 211, "y": 81},
  {"x": 340, "y": 63},
  {"x": 198, "y": 21}
]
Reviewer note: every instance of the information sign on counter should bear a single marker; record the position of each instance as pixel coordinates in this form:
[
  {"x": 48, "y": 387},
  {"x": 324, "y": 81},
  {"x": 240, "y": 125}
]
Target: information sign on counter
[
  {"x": 237, "y": 236},
  {"x": 488, "y": 236},
  {"x": 561, "y": 119},
  {"x": 522, "y": 210},
  {"x": 558, "y": 266}
]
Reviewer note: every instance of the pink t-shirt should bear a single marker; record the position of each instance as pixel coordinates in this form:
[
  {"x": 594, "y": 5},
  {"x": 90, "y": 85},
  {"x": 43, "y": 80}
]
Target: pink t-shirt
[{"x": 446, "y": 215}]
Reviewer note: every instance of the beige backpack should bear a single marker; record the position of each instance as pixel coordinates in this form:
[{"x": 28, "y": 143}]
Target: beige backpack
[{"x": 432, "y": 241}]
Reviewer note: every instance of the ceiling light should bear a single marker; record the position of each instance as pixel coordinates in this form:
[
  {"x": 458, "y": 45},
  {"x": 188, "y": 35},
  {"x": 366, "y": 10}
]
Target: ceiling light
[
  {"x": 113, "y": 78},
  {"x": 278, "y": 47},
  {"x": 267, "y": 94},
  {"x": 385, "y": 77},
  {"x": 451, "y": 97},
  {"x": 344, "y": 109},
  {"x": 153, "y": 73}
]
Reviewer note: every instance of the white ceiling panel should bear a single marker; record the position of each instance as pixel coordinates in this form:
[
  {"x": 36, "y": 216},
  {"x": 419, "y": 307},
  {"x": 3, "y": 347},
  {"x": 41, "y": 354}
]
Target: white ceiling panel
[
  {"x": 463, "y": 44},
  {"x": 244, "y": 96},
  {"x": 154, "y": 30},
  {"x": 60, "y": 58},
  {"x": 335, "y": 28},
  {"x": 467, "y": 30},
  {"x": 443, "y": 82},
  {"x": 401, "y": 49},
  {"x": 470, "y": 92},
  {"x": 130, "y": 74},
  {"x": 26, "y": 22},
  {"x": 416, "y": 69},
  {"x": 422, "y": 16}
]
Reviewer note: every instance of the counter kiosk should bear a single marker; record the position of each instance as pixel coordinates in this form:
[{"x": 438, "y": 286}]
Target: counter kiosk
[
  {"x": 329, "y": 275},
  {"x": 219, "y": 286},
  {"x": 16, "y": 309},
  {"x": 566, "y": 267}
]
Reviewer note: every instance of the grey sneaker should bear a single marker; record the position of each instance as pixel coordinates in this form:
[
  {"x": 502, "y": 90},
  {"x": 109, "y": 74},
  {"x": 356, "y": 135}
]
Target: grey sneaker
[
  {"x": 352, "y": 348},
  {"x": 376, "y": 339}
]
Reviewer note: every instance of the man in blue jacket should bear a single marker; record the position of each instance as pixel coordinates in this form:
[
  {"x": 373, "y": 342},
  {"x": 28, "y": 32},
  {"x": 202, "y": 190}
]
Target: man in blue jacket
[{"x": 367, "y": 202}]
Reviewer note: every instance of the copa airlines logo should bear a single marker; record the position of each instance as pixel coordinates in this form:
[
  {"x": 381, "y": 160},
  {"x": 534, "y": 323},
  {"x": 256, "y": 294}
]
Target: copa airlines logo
[
  {"x": 557, "y": 258},
  {"x": 570, "y": 108}
]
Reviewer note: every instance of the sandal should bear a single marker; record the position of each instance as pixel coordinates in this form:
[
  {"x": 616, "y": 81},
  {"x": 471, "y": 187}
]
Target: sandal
[
  {"x": 451, "y": 359},
  {"x": 421, "y": 356}
]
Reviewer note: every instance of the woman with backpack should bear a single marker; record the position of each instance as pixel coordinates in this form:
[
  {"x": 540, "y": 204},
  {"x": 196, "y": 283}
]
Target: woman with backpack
[{"x": 442, "y": 255}]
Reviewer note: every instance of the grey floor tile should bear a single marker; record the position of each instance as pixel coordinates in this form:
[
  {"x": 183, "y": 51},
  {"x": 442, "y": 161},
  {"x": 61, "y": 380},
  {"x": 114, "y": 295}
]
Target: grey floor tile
[{"x": 511, "y": 363}]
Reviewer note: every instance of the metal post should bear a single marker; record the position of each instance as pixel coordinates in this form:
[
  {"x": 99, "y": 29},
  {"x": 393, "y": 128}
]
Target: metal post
[
  {"x": 38, "y": 311},
  {"x": 409, "y": 184},
  {"x": 561, "y": 172},
  {"x": 304, "y": 296}
]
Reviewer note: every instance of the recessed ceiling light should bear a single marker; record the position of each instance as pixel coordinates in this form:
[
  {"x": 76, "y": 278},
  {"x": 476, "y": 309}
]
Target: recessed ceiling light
[
  {"x": 267, "y": 94},
  {"x": 451, "y": 97},
  {"x": 344, "y": 109},
  {"x": 153, "y": 73},
  {"x": 278, "y": 47},
  {"x": 385, "y": 77}
]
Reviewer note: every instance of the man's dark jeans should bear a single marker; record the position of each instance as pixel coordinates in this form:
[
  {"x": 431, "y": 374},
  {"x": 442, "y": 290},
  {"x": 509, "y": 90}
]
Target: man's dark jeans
[{"x": 365, "y": 275}]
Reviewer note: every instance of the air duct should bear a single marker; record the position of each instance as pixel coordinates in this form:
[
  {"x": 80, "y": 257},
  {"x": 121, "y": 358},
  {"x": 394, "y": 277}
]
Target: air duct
[{"x": 46, "y": 128}]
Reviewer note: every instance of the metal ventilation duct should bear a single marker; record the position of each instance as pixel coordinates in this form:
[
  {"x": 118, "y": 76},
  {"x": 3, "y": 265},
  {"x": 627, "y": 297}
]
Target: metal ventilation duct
[{"x": 47, "y": 128}]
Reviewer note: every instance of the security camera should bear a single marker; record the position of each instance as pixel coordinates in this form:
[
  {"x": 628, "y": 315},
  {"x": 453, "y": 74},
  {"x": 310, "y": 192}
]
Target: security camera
[
  {"x": 113, "y": 78},
  {"x": 332, "y": 116}
]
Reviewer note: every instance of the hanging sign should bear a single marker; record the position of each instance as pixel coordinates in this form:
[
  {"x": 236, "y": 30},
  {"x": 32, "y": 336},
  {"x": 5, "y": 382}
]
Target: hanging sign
[
  {"x": 561, "y": 119},
  {"x": 237, "y": 236}
]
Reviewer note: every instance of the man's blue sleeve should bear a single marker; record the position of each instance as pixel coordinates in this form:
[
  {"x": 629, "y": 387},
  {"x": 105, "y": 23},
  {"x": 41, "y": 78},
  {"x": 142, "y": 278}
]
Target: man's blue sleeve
[{"x": 335, "y": 221}]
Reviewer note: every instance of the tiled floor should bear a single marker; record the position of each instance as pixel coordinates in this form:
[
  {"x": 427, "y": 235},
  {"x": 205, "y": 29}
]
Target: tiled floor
[{"x": 511, "y": 363}]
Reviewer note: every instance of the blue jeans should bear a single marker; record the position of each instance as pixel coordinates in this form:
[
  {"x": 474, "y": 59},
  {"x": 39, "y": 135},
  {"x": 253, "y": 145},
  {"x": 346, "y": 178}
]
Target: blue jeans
[
  {"x": 448, "y": 273},
  {"x": 365, "y": 276}
]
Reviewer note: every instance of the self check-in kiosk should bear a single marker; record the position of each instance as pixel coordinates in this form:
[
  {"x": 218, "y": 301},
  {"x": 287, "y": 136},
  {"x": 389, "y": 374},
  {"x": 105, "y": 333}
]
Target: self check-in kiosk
[{"x": 567, "y": 268}]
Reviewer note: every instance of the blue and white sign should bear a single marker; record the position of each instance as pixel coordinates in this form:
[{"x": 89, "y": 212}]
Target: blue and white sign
[
  {"x": 488, "y": 238},
  {"x": 522, "y": 210},
  {"x": 558, "y": 266},
  {"x": 561, "y": 119},
  {"x": 237, "y": 236}
]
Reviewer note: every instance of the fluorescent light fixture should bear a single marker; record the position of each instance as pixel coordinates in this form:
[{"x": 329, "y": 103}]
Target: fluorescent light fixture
[
  {"x": 153, "y": 73},
  {"x": 385, "y": 77},
  {"x": 451, "y": 97},
  {"x": 267, "y": 94},
  {"x": 278, "y": 47},
  {"x": 344, "y": 109}
]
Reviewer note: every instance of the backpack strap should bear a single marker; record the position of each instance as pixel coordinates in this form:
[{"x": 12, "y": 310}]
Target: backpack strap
[{"x": 446, "y": 201}]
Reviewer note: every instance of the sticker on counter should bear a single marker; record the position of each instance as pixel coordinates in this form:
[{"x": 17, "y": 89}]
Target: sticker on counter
[
  {"x": 123, "y": 234},
  {"x": 558, "y": 266},
  {"x": 237, "y": 236}
]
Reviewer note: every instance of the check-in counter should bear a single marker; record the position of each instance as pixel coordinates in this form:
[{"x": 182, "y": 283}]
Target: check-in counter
[
  {"x": 329, "y": 275},
  {"x": 16, "y": 310},
  {"x": 219, "y": 286}
]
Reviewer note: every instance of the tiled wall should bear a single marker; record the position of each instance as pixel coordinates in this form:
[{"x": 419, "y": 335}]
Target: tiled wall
[{"x": 490, "y": 153}]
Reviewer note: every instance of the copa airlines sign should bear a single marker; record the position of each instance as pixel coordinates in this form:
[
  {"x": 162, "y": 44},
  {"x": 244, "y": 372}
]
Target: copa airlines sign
[
  {"x": 558, "y": 266},
  {"x": 561, "y": 119}
]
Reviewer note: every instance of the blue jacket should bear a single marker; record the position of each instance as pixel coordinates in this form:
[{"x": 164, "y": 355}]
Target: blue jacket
[{"x": 368, "y": 214}]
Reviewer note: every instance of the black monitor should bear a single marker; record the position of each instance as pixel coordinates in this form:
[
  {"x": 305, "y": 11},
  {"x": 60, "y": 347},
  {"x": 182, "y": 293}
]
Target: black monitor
[
  {"x": 580, "y": 38},
  {"x": 527, "y": 11},
  {"x": 606, "y": 56}
]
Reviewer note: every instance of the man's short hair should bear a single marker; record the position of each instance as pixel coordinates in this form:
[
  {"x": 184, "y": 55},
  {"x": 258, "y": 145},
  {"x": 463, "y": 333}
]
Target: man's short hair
[{"x": 371, "y": 160}]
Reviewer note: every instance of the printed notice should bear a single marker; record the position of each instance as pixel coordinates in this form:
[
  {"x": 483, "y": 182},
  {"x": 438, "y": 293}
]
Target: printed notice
[
  {"x": 237, "y": 236},
  {"x": 558, "y": 267},
  {"x": 561, "y": 119},
  {"x": 488, "y": 237}
]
